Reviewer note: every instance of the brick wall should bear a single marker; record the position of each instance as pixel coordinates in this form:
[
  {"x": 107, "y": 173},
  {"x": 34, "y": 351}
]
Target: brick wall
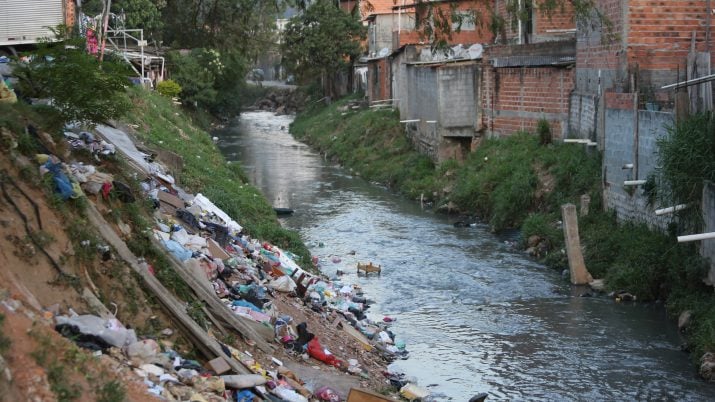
[
  {"x": 544, "y": 27},
  {"x": 618, "y": 151},
  {"x": 660, "y": 33},
  {"x": 623, "y": 101},
  {"x": 594, "y": 52},
  {"x": 560, "y": 19},
  {"x": 378, "y": 79},
  {"x": 516, "y": 99},
  {"x": 510, "y": 35}
]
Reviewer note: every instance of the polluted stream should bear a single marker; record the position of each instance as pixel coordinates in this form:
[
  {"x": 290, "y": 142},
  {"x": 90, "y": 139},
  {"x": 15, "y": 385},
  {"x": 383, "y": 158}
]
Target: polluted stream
[{"x": 477, "y": 315}]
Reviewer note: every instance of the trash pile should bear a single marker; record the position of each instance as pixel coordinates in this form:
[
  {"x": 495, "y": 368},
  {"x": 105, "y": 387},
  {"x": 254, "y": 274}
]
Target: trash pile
[
  {"x": 87, "y": 140},
  {"x": 257, "y": 282},
  {"x": 247, "y": 276}
]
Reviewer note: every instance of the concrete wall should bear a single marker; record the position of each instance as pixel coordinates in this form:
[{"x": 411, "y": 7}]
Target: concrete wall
[
  {"x": 422, "y": 95},
  {"x": 457, "y": 99},
  {"x": 582, "y": 115},
  {"x": 398, "y": 67},
  {"x": 380, "y": 34},
  {"x": 707, "y": 248},
  {"x": 629, "y": 203},
  {"x": 443, "y": 97}
]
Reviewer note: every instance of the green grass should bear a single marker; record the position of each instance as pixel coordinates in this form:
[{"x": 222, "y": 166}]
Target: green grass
[
  {"x": 497, "y": 182},
  {"x": 206, "y": 171},
  {"x": 371, "y": 143}
]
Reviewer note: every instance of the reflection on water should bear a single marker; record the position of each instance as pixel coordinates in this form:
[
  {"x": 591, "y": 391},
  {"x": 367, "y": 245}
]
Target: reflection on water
[{"x": 477, "y": 316}]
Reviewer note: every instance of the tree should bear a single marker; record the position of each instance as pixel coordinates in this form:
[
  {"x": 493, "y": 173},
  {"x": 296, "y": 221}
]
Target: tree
[
  {"x": 80, "y": 88},
  {"x": 322, "y": 42},
  {"x": 222, "y": 24},
  {"x": 141, "y": 14},
  {"x": 436, "y": 24}
]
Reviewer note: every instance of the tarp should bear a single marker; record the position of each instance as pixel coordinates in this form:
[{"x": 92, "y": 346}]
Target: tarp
[{"x": 209, "y": 206}]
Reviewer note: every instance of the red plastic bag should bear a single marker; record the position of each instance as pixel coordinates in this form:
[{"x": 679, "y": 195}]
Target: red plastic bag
[{"x": 315, "y": 350}]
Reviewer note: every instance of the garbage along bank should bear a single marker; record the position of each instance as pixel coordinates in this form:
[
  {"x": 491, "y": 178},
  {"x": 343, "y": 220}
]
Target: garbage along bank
[
  {"x": 260, "y": 287},
  {"x": 200, "y": 168},
  {"x": 265, "y": 311}
]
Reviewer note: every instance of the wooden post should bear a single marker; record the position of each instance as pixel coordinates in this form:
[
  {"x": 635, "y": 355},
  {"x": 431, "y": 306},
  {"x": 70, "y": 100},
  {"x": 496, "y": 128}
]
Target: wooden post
[
  {"x": 585, "y": 203},
  {"x": 577, "y": 267}
]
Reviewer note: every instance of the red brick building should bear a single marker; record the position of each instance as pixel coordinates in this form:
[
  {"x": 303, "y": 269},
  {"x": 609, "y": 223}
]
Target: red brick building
[
  {"x": 645, "y": 47},
  {"x": 529, "y": 75}
]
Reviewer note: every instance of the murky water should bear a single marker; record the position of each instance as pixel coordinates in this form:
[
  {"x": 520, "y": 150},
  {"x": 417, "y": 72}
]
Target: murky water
[{"x": 477, "y": 315}]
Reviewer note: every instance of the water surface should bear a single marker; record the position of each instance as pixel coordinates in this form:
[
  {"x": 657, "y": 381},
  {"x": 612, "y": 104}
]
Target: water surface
[{"x": 477, "y": 315}]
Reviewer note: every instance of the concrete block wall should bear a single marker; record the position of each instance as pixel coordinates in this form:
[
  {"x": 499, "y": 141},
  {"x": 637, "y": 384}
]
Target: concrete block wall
[
  {"x": 583, "y": 115},
  {"x": 517, "y": 98},
  {"x": 629, "y": 203},
  {"x": 423, "y": 99},
  {"x": 457, "y": 97},
  {"x": 707, "y": 247},
  {"x": 380, "y": 34}
]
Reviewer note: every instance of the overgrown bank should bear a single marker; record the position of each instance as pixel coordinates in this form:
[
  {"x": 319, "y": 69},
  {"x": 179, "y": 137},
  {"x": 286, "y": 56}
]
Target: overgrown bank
[
  {"x": 206, "y": 171},
  {"x": 521, "y": 181}
]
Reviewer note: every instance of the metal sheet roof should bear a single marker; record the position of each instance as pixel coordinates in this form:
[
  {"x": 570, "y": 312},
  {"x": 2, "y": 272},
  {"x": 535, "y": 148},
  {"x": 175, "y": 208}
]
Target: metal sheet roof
[{"x": 532, "y": 61}]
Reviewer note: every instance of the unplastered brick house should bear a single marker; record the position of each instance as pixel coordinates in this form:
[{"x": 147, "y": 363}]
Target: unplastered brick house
[
  {"x": 528, "y": 73},
  {"x": 489, "y": 83},
  {"x": 541, "y": 67},
  {"x": 618, "y": 100}
]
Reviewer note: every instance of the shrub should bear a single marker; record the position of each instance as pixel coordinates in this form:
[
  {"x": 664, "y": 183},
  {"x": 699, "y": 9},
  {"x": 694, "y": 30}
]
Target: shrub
[
  {"x": 169, "y": 88},
  {"x": 81, "y": 88},
  {"x": 543, "y": 129}
]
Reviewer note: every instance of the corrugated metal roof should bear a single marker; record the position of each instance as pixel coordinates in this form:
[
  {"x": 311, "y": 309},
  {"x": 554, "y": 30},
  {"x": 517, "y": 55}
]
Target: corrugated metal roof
[{"x": 532, "y": 61}]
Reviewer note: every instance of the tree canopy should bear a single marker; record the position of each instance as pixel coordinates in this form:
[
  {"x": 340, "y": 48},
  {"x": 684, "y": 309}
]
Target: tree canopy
[{"x": 322, "y": 41}]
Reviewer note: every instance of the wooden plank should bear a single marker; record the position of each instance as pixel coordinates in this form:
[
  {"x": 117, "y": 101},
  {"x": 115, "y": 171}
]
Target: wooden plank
[
  {"x": 248, "y": 328},
  {"x": 363, "y": 395},
  {"x": 207, "y": 345},
  {"x": 170, "y": 203},
  {"x": 216, "y": 250},
  {"x": 357, "y": 335}
]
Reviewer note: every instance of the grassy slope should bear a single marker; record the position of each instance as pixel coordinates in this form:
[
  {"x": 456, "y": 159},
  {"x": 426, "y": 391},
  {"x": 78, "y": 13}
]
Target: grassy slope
[
  {"x": 371, "y": 143},
  {"x": 516, "y": 182},
  {"x": 163, "y": 125}
]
